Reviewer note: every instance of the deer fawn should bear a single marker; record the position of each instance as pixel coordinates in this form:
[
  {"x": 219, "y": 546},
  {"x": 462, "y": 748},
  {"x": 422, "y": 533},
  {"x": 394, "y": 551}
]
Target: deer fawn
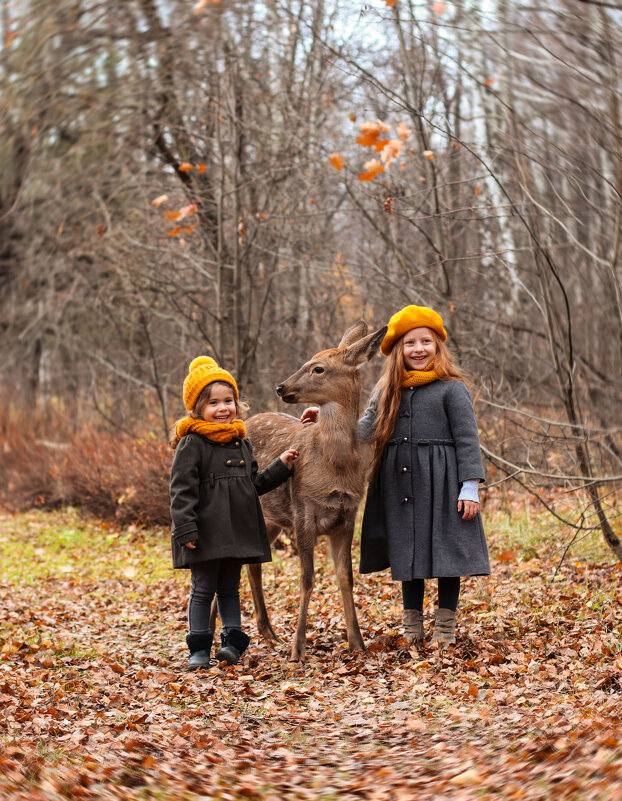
[{"x": 325, "y": 491}]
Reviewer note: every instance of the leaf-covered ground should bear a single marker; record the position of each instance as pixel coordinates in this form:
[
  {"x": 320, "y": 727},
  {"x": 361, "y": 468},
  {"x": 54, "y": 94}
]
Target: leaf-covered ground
[{"x": 96, "y": 702}]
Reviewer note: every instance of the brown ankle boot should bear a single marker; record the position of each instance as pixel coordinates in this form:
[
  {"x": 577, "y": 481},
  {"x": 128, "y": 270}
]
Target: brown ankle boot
[
  {"x": 444, "y": 628},
  {"x": 413, "y": 626}
]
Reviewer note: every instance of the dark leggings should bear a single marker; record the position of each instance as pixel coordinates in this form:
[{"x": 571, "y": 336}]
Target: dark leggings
[
  {"x": 219, "y": 577},
  {"x": 448, "y": 593}
]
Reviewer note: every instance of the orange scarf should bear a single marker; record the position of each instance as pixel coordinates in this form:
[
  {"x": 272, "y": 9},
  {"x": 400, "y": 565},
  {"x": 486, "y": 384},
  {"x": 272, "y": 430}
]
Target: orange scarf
[
  {"x": 217, "y": 432},
  {"x": 416, "y": 378}
]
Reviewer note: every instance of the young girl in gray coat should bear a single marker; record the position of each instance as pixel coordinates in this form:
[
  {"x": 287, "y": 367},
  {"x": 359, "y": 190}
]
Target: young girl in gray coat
[
  {"x": 421, "y": 515},
  {"x": 218, "y": 524}
]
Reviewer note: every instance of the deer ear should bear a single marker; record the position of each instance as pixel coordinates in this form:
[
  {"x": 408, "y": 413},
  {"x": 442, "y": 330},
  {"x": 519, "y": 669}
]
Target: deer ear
[
  {"x": 365, "y": 348},
  {"x": 353, "y": 334}
]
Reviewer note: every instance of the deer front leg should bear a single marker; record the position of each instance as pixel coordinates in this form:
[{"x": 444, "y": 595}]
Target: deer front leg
[
  {"x": 264, "y": 626},
  {"x": 341, "y": 552},
  {"x": 307, "y": 580}
]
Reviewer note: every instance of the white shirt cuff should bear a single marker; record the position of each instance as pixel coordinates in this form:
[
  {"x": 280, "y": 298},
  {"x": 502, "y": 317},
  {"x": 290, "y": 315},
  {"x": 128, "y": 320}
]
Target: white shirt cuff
[{"x": 470, "y": 491}]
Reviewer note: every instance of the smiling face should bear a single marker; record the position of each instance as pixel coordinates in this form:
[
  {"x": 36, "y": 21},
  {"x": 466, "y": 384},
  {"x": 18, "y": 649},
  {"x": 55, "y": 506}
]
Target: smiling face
[
  {"x": 219, "y": 407},
  {"x": 419, "y": 348}
]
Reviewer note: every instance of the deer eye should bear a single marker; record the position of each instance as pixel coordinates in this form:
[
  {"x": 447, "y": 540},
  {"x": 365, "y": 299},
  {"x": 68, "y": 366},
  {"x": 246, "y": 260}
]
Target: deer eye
[{"x": 318, "y": 369}]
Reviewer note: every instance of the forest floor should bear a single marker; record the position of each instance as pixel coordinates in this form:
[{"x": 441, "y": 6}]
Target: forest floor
[{"x": 96, "y": 701}]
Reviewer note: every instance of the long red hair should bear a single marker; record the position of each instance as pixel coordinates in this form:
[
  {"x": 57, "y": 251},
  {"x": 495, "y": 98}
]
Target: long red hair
[{"x": 389, "y": 391}]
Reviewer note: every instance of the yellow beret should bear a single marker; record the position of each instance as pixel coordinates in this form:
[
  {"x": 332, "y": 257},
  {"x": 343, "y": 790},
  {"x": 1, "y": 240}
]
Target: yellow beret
[
  {"x": 203, "y": 371},
  {"x": 408, "y": 318}
]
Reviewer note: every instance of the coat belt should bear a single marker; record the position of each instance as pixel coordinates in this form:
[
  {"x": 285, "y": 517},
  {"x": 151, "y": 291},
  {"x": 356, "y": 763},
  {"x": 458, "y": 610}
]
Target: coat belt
[{"x": 397, "y": 441}]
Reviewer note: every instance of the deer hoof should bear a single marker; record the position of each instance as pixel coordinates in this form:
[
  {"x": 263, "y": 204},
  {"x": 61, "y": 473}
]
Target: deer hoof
[{"x": 297, "y": 654}]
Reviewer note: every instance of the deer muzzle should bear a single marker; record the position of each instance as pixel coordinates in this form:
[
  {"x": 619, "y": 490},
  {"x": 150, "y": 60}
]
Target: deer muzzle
[{"x": 288, "y": 397}]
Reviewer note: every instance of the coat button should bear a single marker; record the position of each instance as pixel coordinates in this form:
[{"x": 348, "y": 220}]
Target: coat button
[
  {"x": 237, "y": 443},
  {"x": 405, "y": 500},
  {"x": 404, "y": 470},
  {"x": 229, "y": 462},
  {"x": 242, "y": 462},
  {"x": 405, "y": 439}
]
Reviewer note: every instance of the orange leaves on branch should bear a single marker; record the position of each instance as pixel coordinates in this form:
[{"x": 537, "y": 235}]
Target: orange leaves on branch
[
  {"x": 403, "y": 131},
  {"x": 389, "y": 148},
  {"x": 185, "y": 166},
  {"x": 158, "y": 201},
  {"x": 390, "y": 3},
  {"x": 391, "y": 151},
  {"x": 372, "y": 169},
  {"x": 185, "y": 211},
  {"x": 429, "y": 154},
  {"x": 337, "y": 161}
]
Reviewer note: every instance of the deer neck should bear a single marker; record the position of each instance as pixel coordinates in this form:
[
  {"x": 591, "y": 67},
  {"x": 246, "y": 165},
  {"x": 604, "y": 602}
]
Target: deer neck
[{"x": 337, "y": 433}]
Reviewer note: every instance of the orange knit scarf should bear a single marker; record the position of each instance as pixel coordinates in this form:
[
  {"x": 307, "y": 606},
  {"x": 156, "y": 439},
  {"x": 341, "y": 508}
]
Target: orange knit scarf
[
  {"x": 416, "y": 378},
  {"x": 217, "y": 432}
]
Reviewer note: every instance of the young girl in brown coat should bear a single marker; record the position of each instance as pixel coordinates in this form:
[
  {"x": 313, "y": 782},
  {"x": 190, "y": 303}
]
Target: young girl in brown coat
[{"x": 218, "y": 524}]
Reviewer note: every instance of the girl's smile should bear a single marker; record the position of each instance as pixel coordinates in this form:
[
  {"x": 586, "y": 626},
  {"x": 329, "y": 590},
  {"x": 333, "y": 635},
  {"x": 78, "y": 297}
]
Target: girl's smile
[
  {"x": 419, "y": 348},
  {"x": 220, "y": 406}
]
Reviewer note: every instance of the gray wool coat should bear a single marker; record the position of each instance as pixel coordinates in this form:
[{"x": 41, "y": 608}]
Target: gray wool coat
[
  {"x": 411, "y": 522},
  {"x": 214, "y": 501}
]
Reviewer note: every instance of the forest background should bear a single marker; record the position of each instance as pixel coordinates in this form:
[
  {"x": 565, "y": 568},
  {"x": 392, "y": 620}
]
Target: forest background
[{"x": 246, "y": 179}]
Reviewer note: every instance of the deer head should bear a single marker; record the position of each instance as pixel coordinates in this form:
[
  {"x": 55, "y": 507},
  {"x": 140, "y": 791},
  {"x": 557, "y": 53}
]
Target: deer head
[{"x": 331, "y": 375}]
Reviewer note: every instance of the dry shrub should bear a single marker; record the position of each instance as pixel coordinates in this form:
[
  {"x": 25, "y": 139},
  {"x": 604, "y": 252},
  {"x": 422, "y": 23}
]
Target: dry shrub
[{"x": 111, "y": 476}]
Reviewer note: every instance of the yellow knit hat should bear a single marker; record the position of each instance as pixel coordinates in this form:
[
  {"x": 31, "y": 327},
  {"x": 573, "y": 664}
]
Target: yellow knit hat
[
  {"x": 408, "y": 318},
  {"x": 202, "y": 371}
]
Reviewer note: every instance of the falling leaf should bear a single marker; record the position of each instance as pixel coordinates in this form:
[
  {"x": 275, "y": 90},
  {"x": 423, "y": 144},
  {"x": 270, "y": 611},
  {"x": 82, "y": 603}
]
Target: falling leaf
[
  {"x": 477, "y": 189},
  {"x": 337, "y": 161},
  {"x": 158, "y": 201},
  {"x": 175, "y": 231},
  {"x": 372, "y": 168},
  {"x": 201, "y": 168},
  {"x": 390, "y": 3},
  {"x": 488, "y": 81},
  {"x": 185, "y": 166},
  {"x": 403, "y": 131},
  {"x": 429, "y": 154}
]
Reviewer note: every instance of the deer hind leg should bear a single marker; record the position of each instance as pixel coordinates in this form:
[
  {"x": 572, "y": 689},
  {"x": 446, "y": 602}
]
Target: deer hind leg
[
  {"x": 264, "y": 626},
  {"x": 341, "y": 552},
  {"x": 307, "y": 580}
]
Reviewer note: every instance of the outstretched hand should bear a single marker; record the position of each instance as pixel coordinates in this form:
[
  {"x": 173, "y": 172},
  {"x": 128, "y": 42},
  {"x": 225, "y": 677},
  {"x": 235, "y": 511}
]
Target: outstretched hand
[
  {"x": 468, "y": 508},
  {"x": 288, "y": 457},
  {"x": 310, "y": 415}
]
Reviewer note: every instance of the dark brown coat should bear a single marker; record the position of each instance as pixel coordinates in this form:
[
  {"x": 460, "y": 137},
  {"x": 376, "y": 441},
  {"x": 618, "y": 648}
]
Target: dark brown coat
[{"x": 214, "y": 501}]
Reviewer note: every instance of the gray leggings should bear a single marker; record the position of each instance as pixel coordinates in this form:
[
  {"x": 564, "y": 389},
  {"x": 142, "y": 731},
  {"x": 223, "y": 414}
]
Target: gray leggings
[{"x": 219, "y": 577}]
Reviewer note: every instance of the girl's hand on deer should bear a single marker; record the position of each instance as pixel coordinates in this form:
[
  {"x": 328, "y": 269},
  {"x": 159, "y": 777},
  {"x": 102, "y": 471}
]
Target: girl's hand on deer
[
  {"x": 288, "y": 457},
  {"x": 192, "y": 545},
  {"x": 468, "y": 508},
  {"x": 310, "y": 415}
]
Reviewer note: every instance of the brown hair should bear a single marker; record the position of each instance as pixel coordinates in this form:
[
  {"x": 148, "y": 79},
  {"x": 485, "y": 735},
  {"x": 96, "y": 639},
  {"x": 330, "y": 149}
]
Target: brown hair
[
  {"x": 389, "y": 391},
  {"x": 241, "y": 408}
]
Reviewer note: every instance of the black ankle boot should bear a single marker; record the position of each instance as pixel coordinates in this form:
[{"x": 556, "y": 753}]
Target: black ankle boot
[
  {"x": 200, "y": 646},
  {"x": 234, "y": 643}
]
